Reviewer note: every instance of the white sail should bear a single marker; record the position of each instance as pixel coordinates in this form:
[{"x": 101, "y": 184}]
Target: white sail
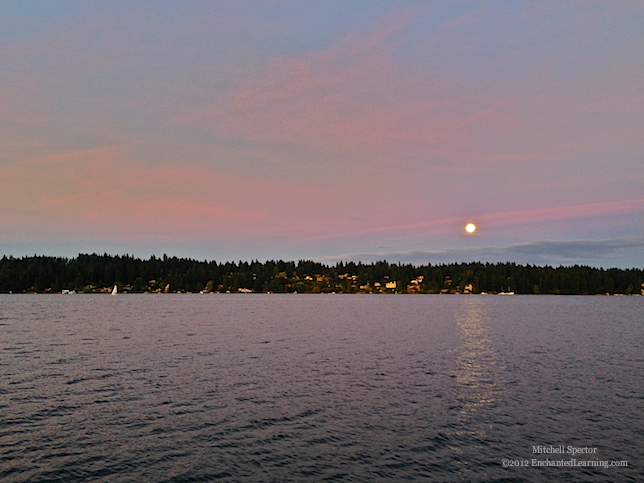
[{"x": 114, "y": 290}]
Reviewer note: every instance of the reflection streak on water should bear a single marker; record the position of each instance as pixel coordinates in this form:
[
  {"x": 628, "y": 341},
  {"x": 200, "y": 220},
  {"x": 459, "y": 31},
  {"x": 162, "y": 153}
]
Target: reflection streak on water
[{"x": 479, "y": 383}]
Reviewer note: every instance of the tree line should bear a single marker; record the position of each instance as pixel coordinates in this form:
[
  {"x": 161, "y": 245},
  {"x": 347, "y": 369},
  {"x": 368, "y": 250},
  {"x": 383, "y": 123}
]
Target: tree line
[{"x": 99, "y": 273}]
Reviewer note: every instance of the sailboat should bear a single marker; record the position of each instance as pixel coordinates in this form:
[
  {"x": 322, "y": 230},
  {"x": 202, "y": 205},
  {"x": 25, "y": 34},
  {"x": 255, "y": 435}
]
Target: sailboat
[{"x": 115, "y": 290}]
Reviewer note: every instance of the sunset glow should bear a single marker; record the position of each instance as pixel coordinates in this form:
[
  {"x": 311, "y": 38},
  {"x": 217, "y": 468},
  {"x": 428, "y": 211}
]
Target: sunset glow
[{"x": 237, "y": 130}]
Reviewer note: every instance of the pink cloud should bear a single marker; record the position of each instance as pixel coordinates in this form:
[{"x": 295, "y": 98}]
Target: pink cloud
[
  {"x": 355, "y": 98},
  {"x": 104, "y": 191},
  {"x": 347, "y": 98}
]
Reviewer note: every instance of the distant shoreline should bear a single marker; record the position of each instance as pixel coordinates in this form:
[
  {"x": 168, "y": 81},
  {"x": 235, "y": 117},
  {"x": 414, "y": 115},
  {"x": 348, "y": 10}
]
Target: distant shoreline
[{"x": 101, "y": 273}]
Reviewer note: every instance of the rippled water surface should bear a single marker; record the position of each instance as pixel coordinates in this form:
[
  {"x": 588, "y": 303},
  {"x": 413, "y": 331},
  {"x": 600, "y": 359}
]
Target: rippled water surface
[{"x": 183, "y": 388}]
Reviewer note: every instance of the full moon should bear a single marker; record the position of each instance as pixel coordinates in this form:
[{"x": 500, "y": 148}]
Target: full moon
[{"x": 470, "y": 228}]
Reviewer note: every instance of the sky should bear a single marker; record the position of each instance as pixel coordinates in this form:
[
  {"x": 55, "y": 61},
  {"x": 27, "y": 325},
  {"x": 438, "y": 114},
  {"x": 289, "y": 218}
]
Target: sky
[{"x": 363, "y": 130}]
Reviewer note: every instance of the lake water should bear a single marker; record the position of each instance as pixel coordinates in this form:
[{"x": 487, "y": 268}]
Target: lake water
[{"x": 191, "y": 388}]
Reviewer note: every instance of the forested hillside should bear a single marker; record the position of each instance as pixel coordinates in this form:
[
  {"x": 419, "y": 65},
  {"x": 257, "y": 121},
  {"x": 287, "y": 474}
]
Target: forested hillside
[{"x": 99, "y": 273}]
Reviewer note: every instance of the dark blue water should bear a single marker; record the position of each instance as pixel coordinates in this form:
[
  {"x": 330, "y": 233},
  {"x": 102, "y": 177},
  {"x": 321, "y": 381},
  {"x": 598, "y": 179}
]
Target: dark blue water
[{"x": 187, "y": 388}]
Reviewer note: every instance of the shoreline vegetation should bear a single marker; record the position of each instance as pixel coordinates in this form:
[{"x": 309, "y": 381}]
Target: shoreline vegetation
[{"x": 100, "y": 273}]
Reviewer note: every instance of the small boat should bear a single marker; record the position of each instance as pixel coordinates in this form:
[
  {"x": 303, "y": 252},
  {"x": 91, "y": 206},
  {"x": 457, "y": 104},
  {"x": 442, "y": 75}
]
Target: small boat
[
  {"x": 506, "y": 293},
  {"x": 115, "y": 290}
]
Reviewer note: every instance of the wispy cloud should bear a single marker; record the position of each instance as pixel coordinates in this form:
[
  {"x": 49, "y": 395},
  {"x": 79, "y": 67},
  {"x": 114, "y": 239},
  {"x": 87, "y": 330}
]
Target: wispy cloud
[
  {"x": 107, "y": 191},
  {"x": 348, "y": 97},
  {"x": 507, "y": 218},
  {"x": 356, "y": 98}
]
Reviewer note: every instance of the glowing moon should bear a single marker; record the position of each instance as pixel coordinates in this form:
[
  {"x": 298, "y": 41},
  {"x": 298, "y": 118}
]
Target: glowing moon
[{"x": 470, "y": 228}]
